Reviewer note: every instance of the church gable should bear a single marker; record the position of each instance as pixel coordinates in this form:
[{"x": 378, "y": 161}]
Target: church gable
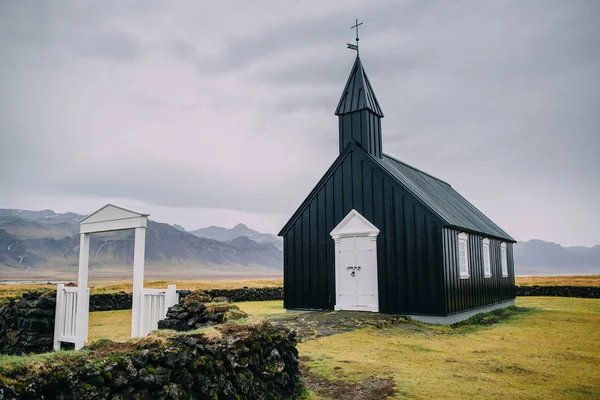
[{"x": 359, "y": 187}]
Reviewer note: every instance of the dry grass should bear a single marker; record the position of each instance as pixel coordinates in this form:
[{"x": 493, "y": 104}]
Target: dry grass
[
  {"x": 127, "y": 286},
  {"x": 583, "y": 280},
  {"x": 113, "y": 325},
  {"x": 551, "y": 352},
  {"x": 116, "y": 325},
  {"x": 7, "y": 290}
]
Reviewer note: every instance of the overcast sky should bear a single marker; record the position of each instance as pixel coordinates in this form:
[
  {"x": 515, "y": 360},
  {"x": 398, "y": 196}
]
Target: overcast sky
[{"x": 218, "y": 112}]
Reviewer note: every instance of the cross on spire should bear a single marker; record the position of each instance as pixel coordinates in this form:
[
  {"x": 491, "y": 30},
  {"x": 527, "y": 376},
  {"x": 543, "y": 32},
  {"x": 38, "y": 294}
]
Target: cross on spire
[{"x": 355, "y": 46}]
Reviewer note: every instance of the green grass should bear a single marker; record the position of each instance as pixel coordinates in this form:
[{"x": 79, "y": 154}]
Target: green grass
[
  {"x": 10, "y": 363},
  {"x": 545, "y": 348}
]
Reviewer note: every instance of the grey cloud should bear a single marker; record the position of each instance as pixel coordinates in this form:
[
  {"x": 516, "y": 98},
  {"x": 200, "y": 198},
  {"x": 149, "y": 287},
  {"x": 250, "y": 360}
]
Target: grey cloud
[
  {"x": 497, "y": 98},
  {"x": 111, "y": 45}
]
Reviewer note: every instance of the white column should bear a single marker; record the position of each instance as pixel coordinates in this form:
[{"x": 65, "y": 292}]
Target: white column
[
  {"x": 58, "y": 314},
  {"x": 138, "y": 279},
  {"x": 82, "y": 283}
]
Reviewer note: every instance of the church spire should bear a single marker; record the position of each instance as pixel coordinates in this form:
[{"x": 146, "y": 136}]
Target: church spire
[
  {"x": 359, "y": 113},
  {"x": 358, "y": 94}
]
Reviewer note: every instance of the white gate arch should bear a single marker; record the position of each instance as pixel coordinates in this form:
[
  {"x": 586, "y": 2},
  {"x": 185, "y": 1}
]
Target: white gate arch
[{"x": 107, "y": 219}]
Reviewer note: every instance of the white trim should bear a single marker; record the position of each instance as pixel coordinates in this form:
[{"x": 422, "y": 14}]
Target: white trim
[
  {"x": 487, "y": 273},
  {"x": 356, "y": 308},
  {"x": 367, "y": 227},
  {"x": 112, "y": 218},
  {"x": 463, "y": 237},
  {"x": 504, "y": 260},
  {"x": 112, "y": 205}
]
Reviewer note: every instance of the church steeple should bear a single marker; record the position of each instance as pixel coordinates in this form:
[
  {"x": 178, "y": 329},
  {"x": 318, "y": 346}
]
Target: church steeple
[{"x": 359, "y": 113}]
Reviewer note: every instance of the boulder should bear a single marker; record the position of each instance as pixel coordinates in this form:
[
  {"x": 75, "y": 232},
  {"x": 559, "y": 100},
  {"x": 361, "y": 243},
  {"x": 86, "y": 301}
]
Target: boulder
[{"x": 194, "y": 312}]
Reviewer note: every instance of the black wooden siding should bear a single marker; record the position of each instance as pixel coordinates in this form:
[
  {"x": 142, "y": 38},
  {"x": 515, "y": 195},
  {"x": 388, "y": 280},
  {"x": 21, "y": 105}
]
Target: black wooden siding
[
  {"x": 364, "y": 128},
  {"x": 476, "y": 291},
  {"x": 409, "y": 246}
]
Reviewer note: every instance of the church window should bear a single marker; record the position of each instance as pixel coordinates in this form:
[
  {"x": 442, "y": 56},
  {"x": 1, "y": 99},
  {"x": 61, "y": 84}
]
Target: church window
[
  {"x": 463, "y": 255},
  {"x": 487, "y": 270},
  {"x": 504, "y": 260}
]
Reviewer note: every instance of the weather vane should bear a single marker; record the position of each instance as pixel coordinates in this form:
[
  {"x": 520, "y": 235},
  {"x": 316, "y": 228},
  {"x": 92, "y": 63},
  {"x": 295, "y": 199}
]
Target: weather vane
[{"x": 355, "y": 46}]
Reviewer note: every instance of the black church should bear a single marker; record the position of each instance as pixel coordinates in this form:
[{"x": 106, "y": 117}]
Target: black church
[{"x": 376, "y": 234}]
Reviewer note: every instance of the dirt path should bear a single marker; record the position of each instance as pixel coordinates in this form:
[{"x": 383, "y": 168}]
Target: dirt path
[{"x": 317, "y": 324}]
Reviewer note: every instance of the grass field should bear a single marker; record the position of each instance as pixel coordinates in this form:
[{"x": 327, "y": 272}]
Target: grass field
[
  {"x": 582, "y": 280},
  {"x": 552, "y": 350},
  {"x": 10, "y": 290}
]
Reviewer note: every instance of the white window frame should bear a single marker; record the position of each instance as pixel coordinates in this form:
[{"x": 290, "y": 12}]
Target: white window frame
[
  {"x": 504, "y": 260},
  {"x": 487, "y": 259},
  {"x": 464, "y": 272}
]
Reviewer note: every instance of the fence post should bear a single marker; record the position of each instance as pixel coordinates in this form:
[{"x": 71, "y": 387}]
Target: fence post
[
  {"x": 171, "y": 297},
  {"x": 87, "y": 313},
  {"x": 58, "y": 314}
]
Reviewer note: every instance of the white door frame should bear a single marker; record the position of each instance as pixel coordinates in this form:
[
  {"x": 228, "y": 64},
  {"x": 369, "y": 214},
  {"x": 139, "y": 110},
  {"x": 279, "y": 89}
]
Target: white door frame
[
  {"x": 353, "y": 225},
  {"x": 107, "y": 219}
]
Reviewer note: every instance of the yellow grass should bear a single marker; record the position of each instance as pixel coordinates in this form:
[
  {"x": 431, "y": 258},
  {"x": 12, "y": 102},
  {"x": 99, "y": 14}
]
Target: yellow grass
[
  {"x": 127, "y": 286},
  {"x": 7, "y": 290},
  {"x": 261, "y": 309},
  {"x": 551, "y": 353},
  {"x": 113, "y": 325},
  {"x": 583, "y": 280},
  {"x": 116, "y": 325}
]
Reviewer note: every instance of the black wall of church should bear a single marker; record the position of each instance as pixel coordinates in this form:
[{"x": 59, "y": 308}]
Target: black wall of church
[
  {"x": 476, "y": 291},
  {"x": 409, "y": 246},
  {"x": 362, "y": 127}
]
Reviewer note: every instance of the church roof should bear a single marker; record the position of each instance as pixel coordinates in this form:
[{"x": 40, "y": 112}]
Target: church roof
[
  {"x": 442, "y": 199},
  {"x": 358, "y": 93},
  {"x": 439, "y": 197}
]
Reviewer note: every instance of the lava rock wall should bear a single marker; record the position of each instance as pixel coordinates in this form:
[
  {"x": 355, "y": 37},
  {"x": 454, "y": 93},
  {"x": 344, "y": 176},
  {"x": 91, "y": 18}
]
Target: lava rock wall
[
  {"x": 246, "y": 362},
  {"x": 248, "y": 294},
  {"x": 589, "y": 292},
  {"x": 122, "y": 300},
  {"x": 110, "y": 301},
  {"x": 27, "y": 323}
]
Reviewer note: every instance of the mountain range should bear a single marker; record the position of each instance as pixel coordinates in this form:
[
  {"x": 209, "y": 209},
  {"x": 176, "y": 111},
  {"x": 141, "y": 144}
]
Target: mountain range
[
  {"x": 34, "y": 243},
  {"x": 46, "y": 244},
  {"x": 536, "y": 257}
]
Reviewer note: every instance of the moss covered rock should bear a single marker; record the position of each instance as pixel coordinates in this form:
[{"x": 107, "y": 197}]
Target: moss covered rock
[
  {"x": 195, "y": 312},
  {"x": 245, "y": 362}
]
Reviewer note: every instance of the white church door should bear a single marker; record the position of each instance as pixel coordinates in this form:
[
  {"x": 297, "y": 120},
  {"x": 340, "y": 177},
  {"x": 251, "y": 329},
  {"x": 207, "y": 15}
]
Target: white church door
[{"x": 356, "y": 264}]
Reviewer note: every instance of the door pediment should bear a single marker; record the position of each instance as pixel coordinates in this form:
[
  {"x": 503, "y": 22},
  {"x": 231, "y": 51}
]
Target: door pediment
[{"x": 354, "y": 224}]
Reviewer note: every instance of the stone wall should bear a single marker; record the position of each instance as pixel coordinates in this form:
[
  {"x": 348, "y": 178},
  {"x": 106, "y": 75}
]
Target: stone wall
[
  {"x": 247, "y": 294},
  {"x": 591, "y": 292},
  {"x": 246, "y": 362},
  {"x": 110, "y": 301},
  {"x": 27, "y": 323},
  {"x": 122, "y": 300}
]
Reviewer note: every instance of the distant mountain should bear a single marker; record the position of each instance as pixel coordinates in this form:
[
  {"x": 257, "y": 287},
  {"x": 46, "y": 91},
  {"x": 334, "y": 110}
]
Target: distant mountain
[
  {"x": 240, "y": 230},
  {"x": 44, "y": 240},
  {"x": 179, "y": 227},
  {"x": 536, "y": 257}
]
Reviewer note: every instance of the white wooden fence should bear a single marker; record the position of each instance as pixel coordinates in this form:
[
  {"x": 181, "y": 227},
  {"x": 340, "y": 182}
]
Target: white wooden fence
[
  {"x": 65, "y": 321},
  {"x": 154, "y": 306}
]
